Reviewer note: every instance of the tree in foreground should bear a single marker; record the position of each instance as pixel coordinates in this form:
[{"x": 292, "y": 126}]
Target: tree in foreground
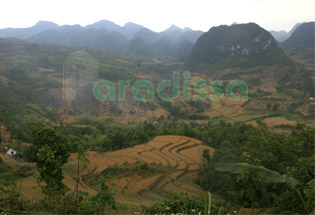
[
  {"x": 255, "y": 174},
  {"x": 50, "y": 152}
]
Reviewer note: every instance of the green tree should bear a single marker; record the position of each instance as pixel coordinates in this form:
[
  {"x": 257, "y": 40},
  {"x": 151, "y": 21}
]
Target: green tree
[
  {"x": 206, "y": 155},
  {"x": 81, "y": 158},
  {"x": 255, "y": 176},
  {"x": 105, "y": 198},
  {"x": 276, "y": 107},
  {"x": 50, "y": 152}
]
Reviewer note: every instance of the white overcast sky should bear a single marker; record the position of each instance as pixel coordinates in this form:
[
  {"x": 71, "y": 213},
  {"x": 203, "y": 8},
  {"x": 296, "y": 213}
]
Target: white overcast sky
[{"x": 160, "y": 14}]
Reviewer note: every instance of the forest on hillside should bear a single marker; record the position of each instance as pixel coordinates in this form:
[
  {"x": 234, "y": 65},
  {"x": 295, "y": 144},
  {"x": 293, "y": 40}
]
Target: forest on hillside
[{"x": 275, "y": 169}]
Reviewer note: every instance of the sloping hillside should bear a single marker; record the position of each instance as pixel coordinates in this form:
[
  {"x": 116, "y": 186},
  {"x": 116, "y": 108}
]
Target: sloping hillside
[
  {"x": 301, "y": 44},
  {"x": 243, "y": 45},
  {"x": 249, "y": 53},
  {"x": 151, "y": 172},
  {"x": 144, "y": 174}
]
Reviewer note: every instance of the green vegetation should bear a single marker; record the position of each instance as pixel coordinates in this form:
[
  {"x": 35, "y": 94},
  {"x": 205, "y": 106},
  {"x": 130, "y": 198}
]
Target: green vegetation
[
  {"x": 292, "y": 155},
  {"x": 126, "y": 170},
  {"x": 285, "y": 154},
  {"x": 49, "y": 152},
  {"x": 241, "y": 46},
  {"x": 254, "y": 175},
  {"x": 105, "y": 198},
  {"x": 301, "y": 43},
  {"x": 252, "y": 167},
  {"x": 191, "y": 114},
  {"x": 184, "y": 205},
  {"x": 10, "y": 197}
]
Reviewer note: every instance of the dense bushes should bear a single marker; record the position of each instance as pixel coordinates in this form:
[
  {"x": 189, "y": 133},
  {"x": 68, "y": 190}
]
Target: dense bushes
[
  {"x": 181, "y": 204},
  {"x": 292, "y": 155}
]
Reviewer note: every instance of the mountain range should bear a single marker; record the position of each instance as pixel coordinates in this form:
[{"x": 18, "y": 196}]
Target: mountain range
[
  {"x": 110, "y": 91},
  {"x": 281, "y": 36},
  {"x": 31, "y": 73},
  {"x": 107, "y": 35},
  {"x": 300, "y": 45},
  {"x": 175, "y": 41}
]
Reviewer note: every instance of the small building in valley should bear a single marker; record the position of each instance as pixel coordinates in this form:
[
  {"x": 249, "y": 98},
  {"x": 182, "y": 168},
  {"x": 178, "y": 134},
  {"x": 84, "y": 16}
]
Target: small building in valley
[{"x": 15, "y": 154}]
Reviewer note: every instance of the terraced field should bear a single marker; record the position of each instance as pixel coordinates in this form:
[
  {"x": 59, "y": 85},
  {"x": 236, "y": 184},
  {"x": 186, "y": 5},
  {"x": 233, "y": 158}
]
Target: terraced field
[{"x": 170, "y": 165}]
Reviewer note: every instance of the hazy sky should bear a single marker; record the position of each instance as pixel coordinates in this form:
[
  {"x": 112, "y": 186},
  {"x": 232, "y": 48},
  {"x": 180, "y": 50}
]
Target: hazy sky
[{"x": 160, "y": 14}]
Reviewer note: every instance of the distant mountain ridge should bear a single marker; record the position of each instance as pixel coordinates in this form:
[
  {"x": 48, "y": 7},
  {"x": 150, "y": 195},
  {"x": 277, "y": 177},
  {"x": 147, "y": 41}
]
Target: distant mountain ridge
[
  {"x": 128, "y": 30},
  {"x": 281, "y": 36},
  {"x": 25, "y": 33},
  {"x": 77, "y": 36},
  {"x": 107, "y": 35}
]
